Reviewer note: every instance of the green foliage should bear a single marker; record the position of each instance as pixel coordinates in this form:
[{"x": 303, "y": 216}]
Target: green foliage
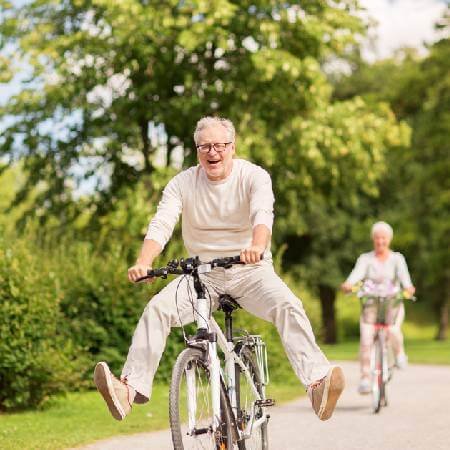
[
  {"x": 37, "y": 356},
  {"x": 100, "y": 305},
  {"x": 415, "y": 192},
  {"x": 103, "y": 74},
  {"x": 107, "y": 72},
  {"x": 325, "y": 179}
]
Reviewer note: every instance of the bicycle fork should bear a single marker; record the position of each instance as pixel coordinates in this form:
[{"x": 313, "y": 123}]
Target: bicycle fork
[{"x": 202, "y": 319}]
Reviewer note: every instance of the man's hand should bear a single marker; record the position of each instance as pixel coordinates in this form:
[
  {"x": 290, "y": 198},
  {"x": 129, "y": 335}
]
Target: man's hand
[
  {"x": 252, "y": 255},
  {"x": 346, "y": 287},
  {"x": 138, "y": 271}
]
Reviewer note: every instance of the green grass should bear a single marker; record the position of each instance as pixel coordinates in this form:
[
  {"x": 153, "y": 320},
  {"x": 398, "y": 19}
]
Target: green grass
[
  {"x": 419, "y": 330},
  {"x": 81, "y": 418},
  {"x": 419, "y": 351},
  {"x": 77, "y": 419}
]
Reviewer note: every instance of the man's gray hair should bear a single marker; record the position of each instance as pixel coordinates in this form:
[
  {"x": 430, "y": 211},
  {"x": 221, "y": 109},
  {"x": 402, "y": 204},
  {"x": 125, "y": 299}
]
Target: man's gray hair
[
  {"x": 209, "y": 121},
  {"x": 382, "y": 226}
]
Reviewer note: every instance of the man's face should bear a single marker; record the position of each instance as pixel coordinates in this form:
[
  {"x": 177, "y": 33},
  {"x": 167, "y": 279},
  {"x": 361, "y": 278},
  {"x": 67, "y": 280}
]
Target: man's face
[
  {"x": 217, "y": 164},
  {"x": 381, "y": 241}
]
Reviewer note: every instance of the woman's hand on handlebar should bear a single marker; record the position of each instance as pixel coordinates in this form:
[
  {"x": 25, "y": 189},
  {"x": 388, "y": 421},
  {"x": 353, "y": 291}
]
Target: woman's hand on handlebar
[
  {"x": 347, "y": 288},
  {"x": 408, "y": 293},
  {"x": 138, "y": 271}
]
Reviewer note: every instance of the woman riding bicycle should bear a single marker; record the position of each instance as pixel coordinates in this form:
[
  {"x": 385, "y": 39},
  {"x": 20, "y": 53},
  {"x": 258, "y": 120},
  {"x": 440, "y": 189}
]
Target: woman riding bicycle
[{"x": 384, "y": 268}]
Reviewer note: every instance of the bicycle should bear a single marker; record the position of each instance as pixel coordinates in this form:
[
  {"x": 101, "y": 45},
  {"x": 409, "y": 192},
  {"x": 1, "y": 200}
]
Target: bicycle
[
  {"x": 210, "y": 406},
  {"x": 382, "y": 360}
]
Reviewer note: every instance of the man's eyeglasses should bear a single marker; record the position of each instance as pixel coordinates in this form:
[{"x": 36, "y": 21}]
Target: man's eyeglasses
[{"x": 219, "y": 147}]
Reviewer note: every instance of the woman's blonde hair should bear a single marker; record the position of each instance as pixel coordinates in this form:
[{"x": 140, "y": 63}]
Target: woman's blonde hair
[{"x": 382, "y": 226}]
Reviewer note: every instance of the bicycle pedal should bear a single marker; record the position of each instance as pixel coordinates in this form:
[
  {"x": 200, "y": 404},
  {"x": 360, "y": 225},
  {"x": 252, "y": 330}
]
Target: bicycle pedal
[{"x": 265, "y": 403}]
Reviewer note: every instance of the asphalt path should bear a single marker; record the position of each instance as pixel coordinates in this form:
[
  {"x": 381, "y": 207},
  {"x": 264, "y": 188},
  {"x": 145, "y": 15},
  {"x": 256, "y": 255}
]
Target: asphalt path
[{"x": 417, "y": 418}]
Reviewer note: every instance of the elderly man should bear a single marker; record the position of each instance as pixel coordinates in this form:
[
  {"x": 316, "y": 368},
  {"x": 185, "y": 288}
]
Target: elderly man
[{"x": 227, "y": 209}]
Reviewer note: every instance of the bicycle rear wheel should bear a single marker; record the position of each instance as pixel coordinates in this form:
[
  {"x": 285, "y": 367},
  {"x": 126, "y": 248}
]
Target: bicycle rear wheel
[
  {"x": 246, "y": 398},
  {"x": 377, "y": 374},
  {"x": 190, "y": 406}
]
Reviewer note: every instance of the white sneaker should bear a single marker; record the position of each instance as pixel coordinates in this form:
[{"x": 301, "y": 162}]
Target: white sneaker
[
  {"x": 401, "y": 361},
  {"x": 364, "y": 386}
]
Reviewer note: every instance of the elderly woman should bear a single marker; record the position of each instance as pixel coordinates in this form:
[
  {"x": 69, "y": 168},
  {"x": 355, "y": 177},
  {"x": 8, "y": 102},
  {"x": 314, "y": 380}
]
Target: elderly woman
[{"x": 381, "y": 266}]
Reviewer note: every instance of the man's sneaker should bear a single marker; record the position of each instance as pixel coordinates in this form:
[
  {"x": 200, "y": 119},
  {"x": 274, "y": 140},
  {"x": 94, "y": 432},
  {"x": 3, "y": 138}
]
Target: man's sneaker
[
  {"x": 401, "y": 361},
  {"x": 325, "y": 393},
  {"x": 117, "y": 394},
  {"x": 364, "y": 386}
]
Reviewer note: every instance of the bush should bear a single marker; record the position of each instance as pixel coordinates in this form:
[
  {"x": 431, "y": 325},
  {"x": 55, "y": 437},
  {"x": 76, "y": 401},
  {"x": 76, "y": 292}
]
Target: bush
[
  {"x": 37, "y": 358},
  {"x": 101, "y": 307}
]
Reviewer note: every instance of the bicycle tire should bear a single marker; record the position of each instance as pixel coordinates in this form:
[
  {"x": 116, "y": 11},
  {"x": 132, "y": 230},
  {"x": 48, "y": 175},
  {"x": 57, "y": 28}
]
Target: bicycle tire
[
  {"x": 385, "y": 374},
  {"x": 261, "y": 442},
  {"x": 223, "y": 438},
  {"x": 377, "y": 375}
]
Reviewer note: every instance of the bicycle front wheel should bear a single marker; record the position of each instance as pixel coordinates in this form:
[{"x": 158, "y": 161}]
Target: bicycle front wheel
[
  {"x": 249, "y": 416},
  {"x": 377, "y": 374},
  {"x": 190, "y": 406}
]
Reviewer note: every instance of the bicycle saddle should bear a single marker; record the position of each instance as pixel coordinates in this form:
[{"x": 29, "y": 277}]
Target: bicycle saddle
[{"x": 227, "y": 303}]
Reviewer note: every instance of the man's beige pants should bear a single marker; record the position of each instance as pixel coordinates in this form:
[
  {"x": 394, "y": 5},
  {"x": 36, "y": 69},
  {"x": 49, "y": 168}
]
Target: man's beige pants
[{"x": 257, "y": 288}]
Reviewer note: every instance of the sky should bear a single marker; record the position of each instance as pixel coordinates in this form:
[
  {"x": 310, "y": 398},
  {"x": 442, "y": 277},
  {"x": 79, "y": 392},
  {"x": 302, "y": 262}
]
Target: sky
[
  {"x": 402, "y": 23},
  {"x": 399, "y": 23}
]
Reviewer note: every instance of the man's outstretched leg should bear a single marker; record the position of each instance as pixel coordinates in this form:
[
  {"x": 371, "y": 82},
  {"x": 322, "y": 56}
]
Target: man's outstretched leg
[
  {"x": 260, "y": 291},
  {"x": 118, "y": 395},
  {"x": 324, "y": 393},
  {"x": 149, "y": 340}
]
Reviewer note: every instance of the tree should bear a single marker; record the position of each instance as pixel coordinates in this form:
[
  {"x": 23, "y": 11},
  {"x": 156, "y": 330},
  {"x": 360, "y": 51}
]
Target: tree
[
  {"x": 104, "y": 75},
  {"x": 326, "y": 177},
  {"x": 415, "y": 192}
]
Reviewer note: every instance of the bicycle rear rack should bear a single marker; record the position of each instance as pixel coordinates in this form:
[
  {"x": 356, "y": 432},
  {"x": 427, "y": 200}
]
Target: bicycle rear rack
[{"x": 256, "y": 342}]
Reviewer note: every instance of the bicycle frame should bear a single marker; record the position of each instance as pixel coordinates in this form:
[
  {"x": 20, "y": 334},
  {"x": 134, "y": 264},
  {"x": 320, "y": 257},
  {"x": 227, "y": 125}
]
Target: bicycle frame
[
  {"x": 214, "y": 336},
  {"x": 382, "y": 334},
  {"x": 381, "y": 339},
  {"x": 208, "y": 336}
]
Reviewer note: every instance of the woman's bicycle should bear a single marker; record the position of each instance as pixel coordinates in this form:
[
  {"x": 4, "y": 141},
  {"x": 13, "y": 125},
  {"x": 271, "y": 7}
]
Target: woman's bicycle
[
  {"x": 217, "y": 400},
  {"x": 380, "y": 307}
]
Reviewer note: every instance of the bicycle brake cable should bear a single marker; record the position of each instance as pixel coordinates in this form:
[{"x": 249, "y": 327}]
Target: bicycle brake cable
[{"x": 178, "y": 309}]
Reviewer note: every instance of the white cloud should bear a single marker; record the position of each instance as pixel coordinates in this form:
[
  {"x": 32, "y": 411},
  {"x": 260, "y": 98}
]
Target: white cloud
[{"x": 402, "y": 23}]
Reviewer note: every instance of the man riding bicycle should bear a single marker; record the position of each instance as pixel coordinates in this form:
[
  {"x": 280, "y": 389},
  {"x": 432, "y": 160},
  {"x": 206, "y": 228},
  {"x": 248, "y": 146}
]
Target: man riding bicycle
[{"x": 227, "y": 209}]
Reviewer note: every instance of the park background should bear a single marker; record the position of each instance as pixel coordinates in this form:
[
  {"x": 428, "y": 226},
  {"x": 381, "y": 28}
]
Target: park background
[{"x": 98, "y": 103}]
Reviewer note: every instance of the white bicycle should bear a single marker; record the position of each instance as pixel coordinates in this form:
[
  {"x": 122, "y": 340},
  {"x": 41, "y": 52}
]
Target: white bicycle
[{"x": 217, "y": 398}]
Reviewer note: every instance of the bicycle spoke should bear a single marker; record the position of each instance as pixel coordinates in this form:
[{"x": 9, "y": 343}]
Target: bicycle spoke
[
  {"x": 249, "y": 413},
  {"x": 191, "y": 406}
]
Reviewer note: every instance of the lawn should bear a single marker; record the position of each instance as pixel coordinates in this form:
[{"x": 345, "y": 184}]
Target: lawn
[
  {"x": 419, "y": 331},
  {"x": 81, "y": 418},
  {"x": 419, "y": 351}
]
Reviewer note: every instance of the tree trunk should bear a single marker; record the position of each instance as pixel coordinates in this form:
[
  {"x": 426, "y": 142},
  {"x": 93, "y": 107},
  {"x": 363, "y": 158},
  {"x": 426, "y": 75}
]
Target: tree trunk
[
  {"x": 148, "y": 167},
  {"x": 443, "y": 322},
  {"x": 327, "y": 301}
]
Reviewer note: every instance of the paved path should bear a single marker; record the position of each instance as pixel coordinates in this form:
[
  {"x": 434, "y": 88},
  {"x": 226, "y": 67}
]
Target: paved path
[{"x": 417, "y": 418}]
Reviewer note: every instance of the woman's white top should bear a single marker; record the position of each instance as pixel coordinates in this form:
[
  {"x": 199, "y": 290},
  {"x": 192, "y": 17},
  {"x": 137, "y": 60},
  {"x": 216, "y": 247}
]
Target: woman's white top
[{"x": 369, "y": 267}]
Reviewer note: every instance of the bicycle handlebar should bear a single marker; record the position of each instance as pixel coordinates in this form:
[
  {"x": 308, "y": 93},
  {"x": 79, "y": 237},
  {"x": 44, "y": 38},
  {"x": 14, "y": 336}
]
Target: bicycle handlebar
[{"x": 189, "y": 266}]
